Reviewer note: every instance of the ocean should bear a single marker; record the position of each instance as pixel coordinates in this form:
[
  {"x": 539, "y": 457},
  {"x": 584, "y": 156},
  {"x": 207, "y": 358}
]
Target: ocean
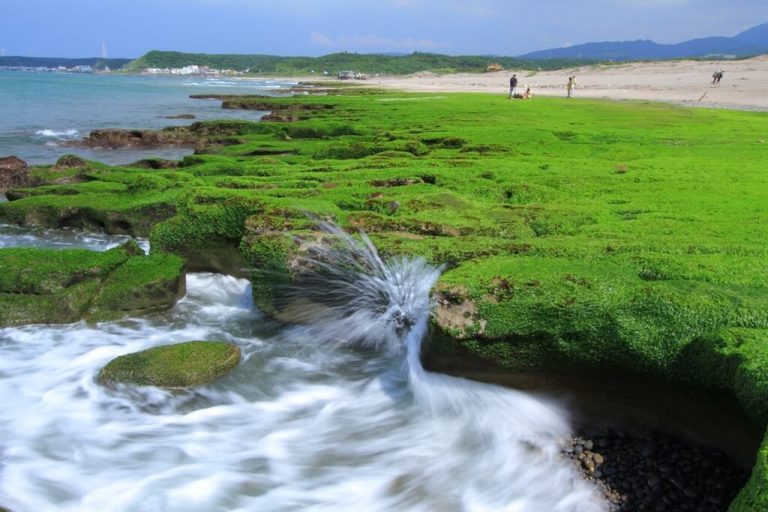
[{"x": 43, "y": 111}]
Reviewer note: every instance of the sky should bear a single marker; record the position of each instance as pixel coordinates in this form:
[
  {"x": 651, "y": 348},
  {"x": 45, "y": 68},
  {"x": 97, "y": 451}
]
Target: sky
[{"x": 130, "y": 28}]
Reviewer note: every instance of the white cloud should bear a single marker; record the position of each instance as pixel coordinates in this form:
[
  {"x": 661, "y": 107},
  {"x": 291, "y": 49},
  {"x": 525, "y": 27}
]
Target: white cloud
[{"x": 372, "y": 42}]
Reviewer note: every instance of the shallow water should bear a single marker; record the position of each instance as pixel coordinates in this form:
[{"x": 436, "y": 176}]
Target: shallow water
[
  {"x": 15, "y": 236},
  {"x": 306, "y": 421},
  {"x": 43, "y": 112}
]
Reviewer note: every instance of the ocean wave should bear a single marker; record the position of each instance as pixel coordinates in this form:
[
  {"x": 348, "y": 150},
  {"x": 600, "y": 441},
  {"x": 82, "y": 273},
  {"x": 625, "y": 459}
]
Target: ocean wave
[
  {"x": 58, "y": 134},
  {"x": 266, "y": 84}
]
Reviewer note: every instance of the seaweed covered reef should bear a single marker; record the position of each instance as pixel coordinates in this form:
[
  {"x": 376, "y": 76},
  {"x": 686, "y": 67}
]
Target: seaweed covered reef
[{"x": 583, "y": 235}]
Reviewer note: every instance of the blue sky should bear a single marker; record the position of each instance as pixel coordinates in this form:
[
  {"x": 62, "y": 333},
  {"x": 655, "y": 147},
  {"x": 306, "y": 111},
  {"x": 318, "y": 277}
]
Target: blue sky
[{"x": 130, "y": 28}]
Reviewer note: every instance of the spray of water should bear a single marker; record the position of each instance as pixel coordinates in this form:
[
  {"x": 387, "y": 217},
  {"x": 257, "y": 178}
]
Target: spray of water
[{"x": 352, "y": 295}]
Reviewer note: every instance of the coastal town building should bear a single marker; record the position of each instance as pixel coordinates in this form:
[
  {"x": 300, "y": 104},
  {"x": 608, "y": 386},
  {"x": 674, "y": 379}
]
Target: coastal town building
[{"x": 192, "y": 69}]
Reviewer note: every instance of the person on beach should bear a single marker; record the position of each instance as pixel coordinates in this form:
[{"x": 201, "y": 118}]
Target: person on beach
[
  {"x": 571, "y": 85},
  {"x": 512, "y": 86},
  {"x": 528, "y": 94}
]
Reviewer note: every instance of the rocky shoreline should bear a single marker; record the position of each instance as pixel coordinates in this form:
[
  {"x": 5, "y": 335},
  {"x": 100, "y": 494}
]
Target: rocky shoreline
[
  {"x": 650, "y": 471},
  {"x": 534, "y": 274}
]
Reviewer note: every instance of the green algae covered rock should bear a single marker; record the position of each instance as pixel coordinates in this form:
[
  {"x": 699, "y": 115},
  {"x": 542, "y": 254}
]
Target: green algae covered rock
[
  {"x": 207, "y": 230},
  {"x": 173, "y": 366},
  {"x": 140, "y": 285},
  {"x": 64, "y": 286}
]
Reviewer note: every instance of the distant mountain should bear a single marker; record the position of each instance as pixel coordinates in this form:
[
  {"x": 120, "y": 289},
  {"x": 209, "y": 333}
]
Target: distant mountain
[
  {"x": 54, "y": 62},
  {"x": 746, "y": 44}
]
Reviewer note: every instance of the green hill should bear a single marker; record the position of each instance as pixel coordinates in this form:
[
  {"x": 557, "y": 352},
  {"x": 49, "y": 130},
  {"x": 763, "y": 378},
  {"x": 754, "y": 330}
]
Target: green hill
[{"x": 362, "y": 63}]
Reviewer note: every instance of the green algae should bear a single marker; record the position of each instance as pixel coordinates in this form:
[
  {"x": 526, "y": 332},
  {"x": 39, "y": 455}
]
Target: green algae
[
  {"x": 182, "y": 365},
  {"x": 585, "y": 233},
  {"x": 64, "y": 286},
  {"x": 140, "y": 285}
]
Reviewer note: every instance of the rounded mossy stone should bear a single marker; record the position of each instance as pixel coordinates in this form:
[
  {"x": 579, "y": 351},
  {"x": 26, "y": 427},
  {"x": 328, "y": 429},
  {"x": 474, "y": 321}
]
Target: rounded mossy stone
[{"x": 173, "y": 366}]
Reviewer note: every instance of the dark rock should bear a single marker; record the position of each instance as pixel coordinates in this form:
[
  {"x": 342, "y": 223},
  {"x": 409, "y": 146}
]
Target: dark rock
[
  {"x": 155, "y": 163},
  {"x": 70, "y": 162},
  {"x": 13, "y": 173},
  {"x": 197, "y": 135},
  {"x": 114, "y": 138},
  {"x": 654, "y": 471},
  {"x": 181, "y": 116}
]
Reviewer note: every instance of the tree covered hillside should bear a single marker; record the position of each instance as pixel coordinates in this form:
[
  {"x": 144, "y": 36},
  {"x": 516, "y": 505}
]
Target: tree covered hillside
[{"x": 362, "y": 63}]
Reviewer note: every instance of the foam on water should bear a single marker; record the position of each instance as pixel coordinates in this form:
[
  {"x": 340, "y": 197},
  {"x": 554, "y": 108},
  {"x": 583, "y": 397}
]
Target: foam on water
[
  {"x": 69, "y": 134},
  {"x": 303, "y": 423},
  {"x": 14, "y": 236}
]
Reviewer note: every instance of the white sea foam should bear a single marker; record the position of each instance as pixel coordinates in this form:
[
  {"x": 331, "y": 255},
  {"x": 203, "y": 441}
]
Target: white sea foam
[
  {"x": 14, "y": 236},
  {"x": 58, "y": 134},
  {"x": 248, "y": 84}
]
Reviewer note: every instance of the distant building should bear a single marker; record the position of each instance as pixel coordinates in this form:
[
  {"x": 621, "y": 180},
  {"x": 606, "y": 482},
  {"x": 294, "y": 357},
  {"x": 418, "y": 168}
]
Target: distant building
[
  {"x": 351, "y": 75},
  {"x": 192, "y": 69}
]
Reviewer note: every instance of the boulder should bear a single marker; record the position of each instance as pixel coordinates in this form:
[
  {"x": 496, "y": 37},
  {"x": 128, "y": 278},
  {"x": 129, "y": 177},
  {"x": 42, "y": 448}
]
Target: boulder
[
  {"x": 13, "y": 173},
  {"x": 182, "y": 365},
  {"x": 70, "y": 162}
]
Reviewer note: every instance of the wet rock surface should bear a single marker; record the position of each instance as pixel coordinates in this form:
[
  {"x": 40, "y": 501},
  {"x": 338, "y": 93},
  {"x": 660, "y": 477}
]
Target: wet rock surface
[
  {"x": 196, "y": 135},
  {"x": 13, "y": 173},
  {"x": 654, "y": 472}
]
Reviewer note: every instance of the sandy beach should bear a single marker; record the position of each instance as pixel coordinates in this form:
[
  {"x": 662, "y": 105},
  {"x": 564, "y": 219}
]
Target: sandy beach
[{"x": 744, "y": 84}]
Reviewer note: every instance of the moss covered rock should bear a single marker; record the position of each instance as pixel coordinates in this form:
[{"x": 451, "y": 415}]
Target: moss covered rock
[
  {"x": 173, "y": 366},
  {"x": 64, "y": 286},
  {"x": 207, "y": 230},
  {"x": 139, "y": 286}
]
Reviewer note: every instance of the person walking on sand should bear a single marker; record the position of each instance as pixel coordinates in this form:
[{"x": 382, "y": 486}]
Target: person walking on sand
[
  {"x": 571, "y": 85},
  {"x": 512, "y": 86}
]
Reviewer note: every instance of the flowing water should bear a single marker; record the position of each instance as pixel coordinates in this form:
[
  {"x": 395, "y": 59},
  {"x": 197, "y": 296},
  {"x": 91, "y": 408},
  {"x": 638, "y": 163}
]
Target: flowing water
[{"x": 335, "y": 415}]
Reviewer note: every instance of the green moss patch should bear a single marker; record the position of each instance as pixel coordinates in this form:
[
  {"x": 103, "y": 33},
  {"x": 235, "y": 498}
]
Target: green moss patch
[
  {"x": 586, "y": 234},
  {"x": 140, "y": 285},
  {"x": 173, "y": 366},
  {"x": 52, "y": 286}
]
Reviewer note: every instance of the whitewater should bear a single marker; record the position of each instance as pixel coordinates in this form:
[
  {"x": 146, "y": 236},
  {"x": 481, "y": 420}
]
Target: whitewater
[{"x": 337, "y": 414}]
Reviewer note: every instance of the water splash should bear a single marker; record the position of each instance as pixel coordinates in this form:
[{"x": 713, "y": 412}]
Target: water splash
[
  {"x": 352, "y": 294},
  {"x": 346, "y": 293}
]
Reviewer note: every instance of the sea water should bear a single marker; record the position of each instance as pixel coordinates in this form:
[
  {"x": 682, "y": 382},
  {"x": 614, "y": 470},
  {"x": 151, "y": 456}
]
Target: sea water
[
  {"x": 334, "y": 415},
  {"x": 41, "y": 112}
]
